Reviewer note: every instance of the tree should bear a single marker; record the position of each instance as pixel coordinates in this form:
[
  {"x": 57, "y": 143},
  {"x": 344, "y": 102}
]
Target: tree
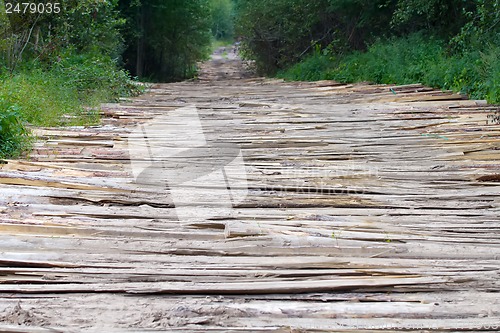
[
  {"x": 82, "y": 25},
  {"x": 482, "y": 27},
  {"x": 439, "y": 17},
  {"x": 166, "y": 38},
  {"x": 222, "y": 12},
  {"x": 278, "y": 33}
]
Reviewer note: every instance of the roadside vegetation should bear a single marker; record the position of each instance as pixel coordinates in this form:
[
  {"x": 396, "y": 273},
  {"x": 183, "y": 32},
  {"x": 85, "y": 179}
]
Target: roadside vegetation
[
  {"x": 453, "y": 44},
  {"x": 56, "y": 68},
  {"x": 406, "y": 60}
]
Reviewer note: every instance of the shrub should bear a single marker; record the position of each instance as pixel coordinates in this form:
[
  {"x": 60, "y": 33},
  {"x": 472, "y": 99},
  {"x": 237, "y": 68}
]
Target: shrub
[{"x": 14, "y": 137}]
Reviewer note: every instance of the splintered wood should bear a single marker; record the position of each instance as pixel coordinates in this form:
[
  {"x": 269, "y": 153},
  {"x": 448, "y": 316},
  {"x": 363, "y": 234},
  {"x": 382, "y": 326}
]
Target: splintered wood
[{"x": 369, "y": 208}]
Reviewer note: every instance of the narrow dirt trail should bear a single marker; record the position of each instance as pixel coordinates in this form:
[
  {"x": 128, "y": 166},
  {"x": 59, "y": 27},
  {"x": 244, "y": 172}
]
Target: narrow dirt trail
[{"x": 356, "y": 208}]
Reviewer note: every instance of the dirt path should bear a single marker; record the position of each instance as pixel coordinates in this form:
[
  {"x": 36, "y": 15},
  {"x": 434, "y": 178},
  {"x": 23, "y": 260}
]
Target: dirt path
[{"x": 254, "y": 205}]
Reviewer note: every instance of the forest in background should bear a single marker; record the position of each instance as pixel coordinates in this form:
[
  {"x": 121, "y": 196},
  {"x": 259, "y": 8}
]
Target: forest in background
[
  {"x": 448, "y": 44},
  {"x": 55, "y": 68}
]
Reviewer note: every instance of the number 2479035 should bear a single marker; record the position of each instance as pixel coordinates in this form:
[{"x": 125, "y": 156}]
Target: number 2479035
[{"x": 32, "y": 8}]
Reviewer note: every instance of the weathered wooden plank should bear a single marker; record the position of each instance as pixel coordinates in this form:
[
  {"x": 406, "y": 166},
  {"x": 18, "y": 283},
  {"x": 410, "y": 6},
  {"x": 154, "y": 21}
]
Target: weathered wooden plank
[{"x": 368, "y": 206}]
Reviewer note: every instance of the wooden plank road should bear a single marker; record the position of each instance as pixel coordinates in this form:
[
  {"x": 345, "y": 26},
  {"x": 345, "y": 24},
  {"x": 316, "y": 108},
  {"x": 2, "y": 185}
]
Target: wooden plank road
[{"x": 369, "y": 208}]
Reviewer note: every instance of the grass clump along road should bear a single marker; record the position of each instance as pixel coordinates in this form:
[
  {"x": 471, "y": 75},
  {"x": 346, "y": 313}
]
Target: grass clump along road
[{"x": 67, "y": 94}]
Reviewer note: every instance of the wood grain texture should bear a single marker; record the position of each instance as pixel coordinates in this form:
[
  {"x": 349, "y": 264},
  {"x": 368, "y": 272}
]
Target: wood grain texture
[{"x": 366, "y": 211}]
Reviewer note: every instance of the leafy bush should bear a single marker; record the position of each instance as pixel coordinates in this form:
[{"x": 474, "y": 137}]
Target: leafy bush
[{"x": 13, "y": 135}]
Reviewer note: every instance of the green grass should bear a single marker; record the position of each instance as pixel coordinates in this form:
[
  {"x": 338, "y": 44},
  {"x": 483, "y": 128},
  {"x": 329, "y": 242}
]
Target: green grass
[
  {"x": 413, "y": 59},
  {"x": 218, "y": 43},
  {"x": 66, "y": 94},
  {"x": 43, "y": 99}
]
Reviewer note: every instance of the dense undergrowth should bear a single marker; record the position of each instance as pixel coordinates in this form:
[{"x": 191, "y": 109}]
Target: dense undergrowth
[
  {"x": 14, "y": 137},
  {"x": 405, "y": 60},
  {"x": 65, "y": 94}
]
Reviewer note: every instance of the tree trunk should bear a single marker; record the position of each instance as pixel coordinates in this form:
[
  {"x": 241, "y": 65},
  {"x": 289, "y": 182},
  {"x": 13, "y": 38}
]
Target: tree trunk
[{"x": 140, "y": 43}]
